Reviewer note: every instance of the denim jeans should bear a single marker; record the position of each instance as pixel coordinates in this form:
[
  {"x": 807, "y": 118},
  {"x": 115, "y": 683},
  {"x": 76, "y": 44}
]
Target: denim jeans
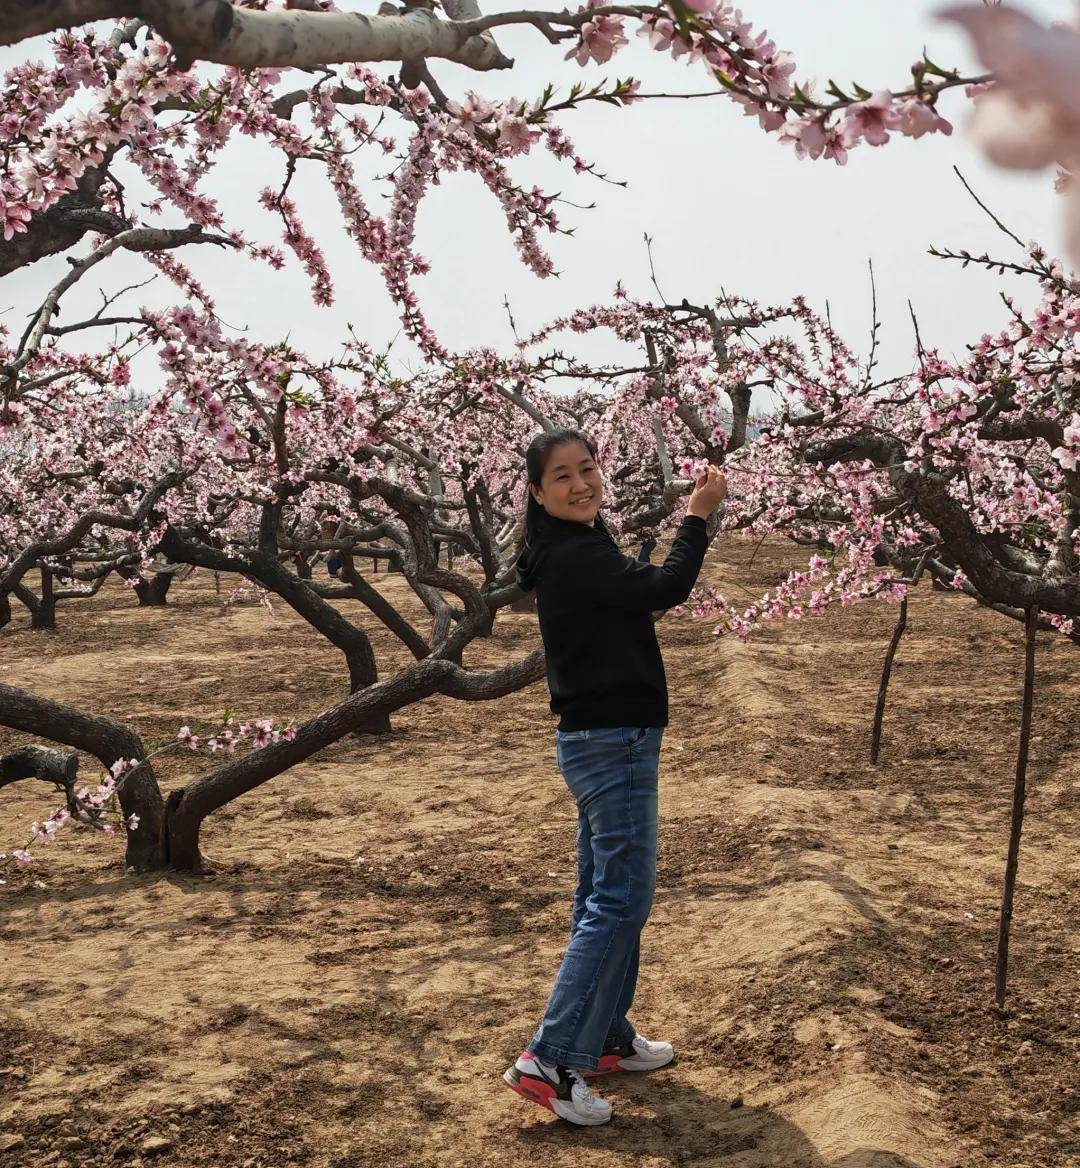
[{"x": 612, "y": 774}]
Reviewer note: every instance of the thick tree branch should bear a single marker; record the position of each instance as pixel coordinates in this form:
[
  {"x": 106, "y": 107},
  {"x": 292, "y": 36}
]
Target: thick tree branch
[{"x": 215, "y": 30}]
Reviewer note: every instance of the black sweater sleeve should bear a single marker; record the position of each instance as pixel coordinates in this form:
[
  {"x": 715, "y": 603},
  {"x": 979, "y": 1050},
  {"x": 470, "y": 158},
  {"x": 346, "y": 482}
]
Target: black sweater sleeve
[{"x": 599, "y": 573}]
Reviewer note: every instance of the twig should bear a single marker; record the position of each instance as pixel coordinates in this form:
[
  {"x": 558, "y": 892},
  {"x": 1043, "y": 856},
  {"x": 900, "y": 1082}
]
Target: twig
[
  {"x": 652, "y": 269},
  {"x": 967, "y": 186}
]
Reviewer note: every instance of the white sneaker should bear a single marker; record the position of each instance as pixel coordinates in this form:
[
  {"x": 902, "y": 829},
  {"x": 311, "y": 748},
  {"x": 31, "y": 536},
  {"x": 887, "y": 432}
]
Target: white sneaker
[
  {"x": 639, "y": 1054},
  {"x": 559, "y": 1089}
]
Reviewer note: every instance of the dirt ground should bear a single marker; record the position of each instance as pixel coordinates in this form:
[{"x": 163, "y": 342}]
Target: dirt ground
[{"x": 379, "y": 937}]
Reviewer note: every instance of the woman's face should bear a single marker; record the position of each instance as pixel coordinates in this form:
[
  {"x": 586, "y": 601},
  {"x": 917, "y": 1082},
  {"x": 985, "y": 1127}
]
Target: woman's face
[{"x": 571, "y": 486}]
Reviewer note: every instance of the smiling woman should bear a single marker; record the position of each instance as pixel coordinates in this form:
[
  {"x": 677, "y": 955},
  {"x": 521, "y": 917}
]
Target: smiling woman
[
  {"x": 607, "y": 683},
  {"x": 571, "y": 486}
]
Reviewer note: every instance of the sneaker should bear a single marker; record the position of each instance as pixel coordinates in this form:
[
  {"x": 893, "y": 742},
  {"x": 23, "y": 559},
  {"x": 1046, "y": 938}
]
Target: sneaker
[
  {"x": 559, "y": 1089},
  {"x": 634, "y": 1054}
]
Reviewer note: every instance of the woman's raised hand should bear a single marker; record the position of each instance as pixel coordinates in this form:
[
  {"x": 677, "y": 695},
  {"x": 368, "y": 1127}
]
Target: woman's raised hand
[{"x": 709, "y": 492}]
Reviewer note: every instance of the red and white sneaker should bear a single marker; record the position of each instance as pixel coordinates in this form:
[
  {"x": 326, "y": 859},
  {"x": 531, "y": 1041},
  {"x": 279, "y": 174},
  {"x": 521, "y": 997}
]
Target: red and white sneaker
[
  {"x": 635, "y": 1054},
  {"x": 559, "y": 1089}
]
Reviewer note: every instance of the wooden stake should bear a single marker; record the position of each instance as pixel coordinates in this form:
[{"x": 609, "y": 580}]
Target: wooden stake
[
  {"x": 1019, "y": 791},
  {"x": 883, "y": 688}
]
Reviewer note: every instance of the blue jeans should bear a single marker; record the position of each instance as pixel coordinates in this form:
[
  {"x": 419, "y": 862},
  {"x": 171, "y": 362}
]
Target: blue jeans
[{"x": 612, "y": 774}]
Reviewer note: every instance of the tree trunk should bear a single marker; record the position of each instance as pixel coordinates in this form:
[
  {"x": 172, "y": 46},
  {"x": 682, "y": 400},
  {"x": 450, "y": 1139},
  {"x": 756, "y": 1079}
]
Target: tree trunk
[
  {"x": 377, "y": 722},
  {"x": 107, "y": 741},
  {"x": 377, "y": 604},
  {"x": 152, "y": 592},
  {"x": 188, "y": 807},
  {"x": 526, "y": 603},
  {"x": 180, "y": 836},
  {"x": 5, "y": 610},
  {"x": 43, "y": 616}
]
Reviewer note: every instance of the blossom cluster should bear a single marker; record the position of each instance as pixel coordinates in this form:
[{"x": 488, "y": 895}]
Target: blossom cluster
[
  {"x": 258, "y": 733},
  {"x": 760, "y": 77},
  {"x": 85, "y": 806}
]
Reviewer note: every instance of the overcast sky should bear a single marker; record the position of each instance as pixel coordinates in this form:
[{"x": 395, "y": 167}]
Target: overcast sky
[{"x": 725, "y": 203}]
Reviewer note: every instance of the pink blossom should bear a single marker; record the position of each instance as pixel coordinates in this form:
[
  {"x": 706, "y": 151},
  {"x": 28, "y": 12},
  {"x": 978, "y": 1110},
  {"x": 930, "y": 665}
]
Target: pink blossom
[
  {"x": 1018, "y": 135},
  {"x": 472, "y": 111},
  {"x": 1034, "y": 62},
  {"x": 776, "y": 73},
  {"x": 871, "y": 119},
  {"x": 515, "y": 136},
  {"x": 658, "y": 32},
  {"x": 700, "y": 6},
  {"x": 601, "y": 38},
  {"x": 1064, "y": 625},
  {"x": 1068, "y": 455},
  {"x": 22, "y": 857},
  {"x": 1032, "y": 116},
  {"x": 812, "y": 138},
  {"x": 920, "y": 117}
]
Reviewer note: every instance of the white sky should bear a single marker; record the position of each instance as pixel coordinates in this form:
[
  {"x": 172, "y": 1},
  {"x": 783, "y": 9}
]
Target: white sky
[{"x": 725, "y": 203}]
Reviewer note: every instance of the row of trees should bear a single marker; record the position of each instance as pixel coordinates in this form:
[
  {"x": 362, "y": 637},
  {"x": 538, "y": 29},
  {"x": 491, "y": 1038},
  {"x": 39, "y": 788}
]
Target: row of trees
[{"x": 253, "y": 457}]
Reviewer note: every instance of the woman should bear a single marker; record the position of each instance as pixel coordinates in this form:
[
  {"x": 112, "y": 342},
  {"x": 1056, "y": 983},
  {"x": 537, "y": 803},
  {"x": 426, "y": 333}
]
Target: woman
[{"x": 607, "y": 685}]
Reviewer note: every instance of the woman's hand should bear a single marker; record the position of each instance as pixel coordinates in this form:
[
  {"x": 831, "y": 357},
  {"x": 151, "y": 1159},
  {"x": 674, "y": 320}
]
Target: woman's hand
[{"x": 709, "y": 492}]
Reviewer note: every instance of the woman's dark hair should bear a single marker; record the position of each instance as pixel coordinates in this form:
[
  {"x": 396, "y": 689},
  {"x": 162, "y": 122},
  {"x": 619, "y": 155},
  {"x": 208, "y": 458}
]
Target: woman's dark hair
[{"x": 536, "y": 459}]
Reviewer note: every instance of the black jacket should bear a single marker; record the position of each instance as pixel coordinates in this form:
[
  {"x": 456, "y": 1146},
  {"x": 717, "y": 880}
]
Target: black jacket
[{"x": 595, "y": 606}]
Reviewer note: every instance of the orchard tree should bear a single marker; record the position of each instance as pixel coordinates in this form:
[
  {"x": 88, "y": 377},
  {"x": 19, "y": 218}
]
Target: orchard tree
[{"x": 250, "y": 455}]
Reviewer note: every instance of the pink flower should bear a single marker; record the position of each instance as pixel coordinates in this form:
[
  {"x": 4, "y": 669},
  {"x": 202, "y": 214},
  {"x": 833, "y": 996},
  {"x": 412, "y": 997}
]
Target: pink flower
[
  {"x": 1032, "y": 116},
  {"x": 777, "y": 74},
  {"x": 1068, "y": 455},
  {"x": 514, "y": 134},
  {"x": 919, "y": 117},
  {"x": 700, "y": 6},
  {"x": 871, "y": 119},
  {"x": 812, "y": 138},
  {"x": 1015, "y": 134},
  {"x": 659, "y": 33},
  {"x": 22, "y": 857},
  {"x": 472, "y": 111},
  {"x": 1062, "y": 624},
  {"x": 1035, "y": 63},
  {"x": 601, "y": 38},
  {"x": 184, "y": 735}
]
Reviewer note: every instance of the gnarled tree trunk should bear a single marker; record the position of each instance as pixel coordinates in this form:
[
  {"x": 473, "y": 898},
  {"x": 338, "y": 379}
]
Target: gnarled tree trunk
[
  {"x": 107, "y": 741},
  {"x": 152, "y": 593}
]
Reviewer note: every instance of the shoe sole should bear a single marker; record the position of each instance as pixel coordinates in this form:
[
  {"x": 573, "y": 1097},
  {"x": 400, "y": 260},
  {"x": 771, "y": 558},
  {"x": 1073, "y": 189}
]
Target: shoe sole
[
  {"x": 544, "y": 1095},
  {"x": 611, "y": 1063}
]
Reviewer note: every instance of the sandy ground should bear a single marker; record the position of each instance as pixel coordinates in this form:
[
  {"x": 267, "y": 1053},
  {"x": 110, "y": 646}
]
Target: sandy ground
[{"x": 382, "y": 930}]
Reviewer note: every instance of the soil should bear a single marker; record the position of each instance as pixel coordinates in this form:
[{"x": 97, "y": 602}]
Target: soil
[{"x": 380, "y": 932}]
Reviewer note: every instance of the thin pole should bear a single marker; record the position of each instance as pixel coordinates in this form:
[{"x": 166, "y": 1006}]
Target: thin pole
[
  {"x": 1019, "y": 791},
  {"x": 883, "y": 687}
]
